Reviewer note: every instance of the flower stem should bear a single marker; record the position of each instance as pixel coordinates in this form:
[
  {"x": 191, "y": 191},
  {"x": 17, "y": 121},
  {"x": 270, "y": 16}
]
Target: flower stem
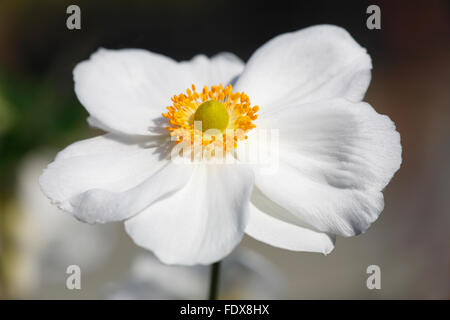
[{"x": 214, "y": 281}]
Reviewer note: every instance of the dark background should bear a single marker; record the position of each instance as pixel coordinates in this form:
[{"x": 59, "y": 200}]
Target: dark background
[{"x": 410, "y": 83}]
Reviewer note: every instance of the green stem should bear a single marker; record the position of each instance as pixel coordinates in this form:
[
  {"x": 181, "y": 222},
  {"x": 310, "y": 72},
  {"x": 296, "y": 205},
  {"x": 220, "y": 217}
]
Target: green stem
[{"x": 214, "y": 281}]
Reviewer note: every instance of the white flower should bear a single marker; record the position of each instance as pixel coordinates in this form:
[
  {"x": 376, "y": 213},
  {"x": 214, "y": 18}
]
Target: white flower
[
  {"x": 336, "y": 154},
  {"x": 245, "y": 275}
]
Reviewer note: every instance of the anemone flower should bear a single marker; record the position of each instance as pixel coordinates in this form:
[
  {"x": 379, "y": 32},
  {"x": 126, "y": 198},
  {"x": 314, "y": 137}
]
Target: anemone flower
[{"x": 335, "y": 154}]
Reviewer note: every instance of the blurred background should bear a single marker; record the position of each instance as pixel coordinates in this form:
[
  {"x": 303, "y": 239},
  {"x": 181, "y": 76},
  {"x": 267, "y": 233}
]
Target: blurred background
[{"x": 40, "y": 114}]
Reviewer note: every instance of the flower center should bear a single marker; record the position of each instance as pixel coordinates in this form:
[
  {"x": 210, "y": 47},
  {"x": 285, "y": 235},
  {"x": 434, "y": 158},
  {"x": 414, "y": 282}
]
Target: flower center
[
  {"x": 230, "y": 113},
  {"x": 213, "y": 115}
]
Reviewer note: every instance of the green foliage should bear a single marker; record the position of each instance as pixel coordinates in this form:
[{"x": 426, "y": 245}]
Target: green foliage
[{"x": 34, "y": 115}]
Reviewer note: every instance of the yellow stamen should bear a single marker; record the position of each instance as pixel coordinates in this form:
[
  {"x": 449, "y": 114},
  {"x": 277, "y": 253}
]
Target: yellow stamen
[{"x": 218, "y": 108}]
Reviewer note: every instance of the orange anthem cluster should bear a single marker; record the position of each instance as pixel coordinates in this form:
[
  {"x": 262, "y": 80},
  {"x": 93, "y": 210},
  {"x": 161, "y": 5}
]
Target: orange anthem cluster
[{"x": 181, "y": 115}]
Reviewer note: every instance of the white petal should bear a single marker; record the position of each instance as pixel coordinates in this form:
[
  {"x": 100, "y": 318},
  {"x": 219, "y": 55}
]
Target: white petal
[
  {"x": 56, "y": 239},
  {"x": 312, "y": 64},
  {"x": 335, "y": 157},
  {"x": 223, "y": 68},
  {"x": 95, "y": 123},
  {"x": 201, "y": 223},
  {"x": 109, "y": 178},
  {"x": 127, "y": 90},
  {"x": 273, "y": 225}
]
